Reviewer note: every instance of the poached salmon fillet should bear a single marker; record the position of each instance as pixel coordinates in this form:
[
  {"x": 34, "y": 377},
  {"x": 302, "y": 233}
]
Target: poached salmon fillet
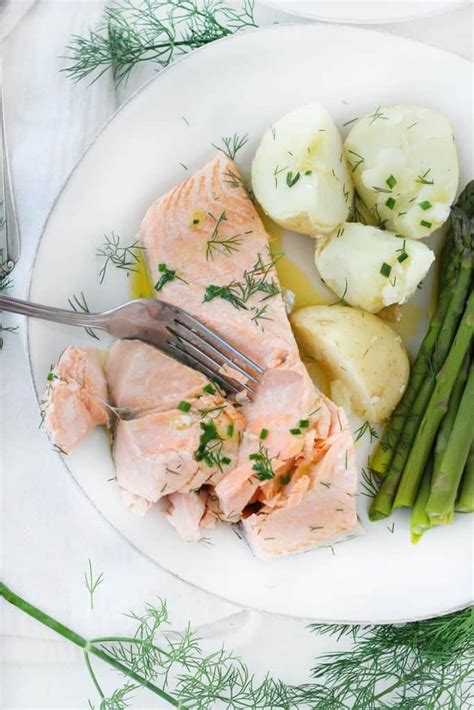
[
  {"x": 283, "y": 465},
  {"x": 294, "y": 482}
]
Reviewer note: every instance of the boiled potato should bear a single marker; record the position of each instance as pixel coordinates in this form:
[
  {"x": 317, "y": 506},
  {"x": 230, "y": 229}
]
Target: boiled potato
[
  {"x": 405, "y": 167},
  {"x": 364, "y": 359},
  {"x": 369, "y": 267},
  {"x": 299, "y": 173}
]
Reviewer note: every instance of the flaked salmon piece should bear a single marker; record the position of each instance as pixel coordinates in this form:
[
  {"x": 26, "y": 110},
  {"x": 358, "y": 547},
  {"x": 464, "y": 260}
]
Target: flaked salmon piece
[
  {"x": 185, "y": 513},
  {"x": 76, "y": 399},
  {"x": 208, "y": 231},
  {"x": 136, "y": 503},
  {"x": 164, "y": 452},
  {"x": 142, "y": 379}
]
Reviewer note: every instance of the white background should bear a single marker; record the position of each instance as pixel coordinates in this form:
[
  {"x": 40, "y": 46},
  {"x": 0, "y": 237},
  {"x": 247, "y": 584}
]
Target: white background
[{"x": 48, "y": 528}]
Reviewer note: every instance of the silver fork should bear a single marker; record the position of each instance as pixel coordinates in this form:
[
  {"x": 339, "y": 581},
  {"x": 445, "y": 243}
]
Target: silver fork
[
  {"x": 9, "y": 232},
  {"x": 167, "y": 327}
]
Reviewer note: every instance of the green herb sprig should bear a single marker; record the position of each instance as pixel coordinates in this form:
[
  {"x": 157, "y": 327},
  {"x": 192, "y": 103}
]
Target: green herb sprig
[
  {"x": 92, "y": 582},
  {"x": 126, "y": 258},
  {"x": 262, "y": 464},
  {"x": 257, "y": 280},
  {"x": 425, "y": 665},
  {"x": 218, "y": 243},
  {"x": 156, "y": 31},
  {"x": 166, "y": 275},
  {"x": 231, "y": 145},
  {"x": 79, "y": 304}
]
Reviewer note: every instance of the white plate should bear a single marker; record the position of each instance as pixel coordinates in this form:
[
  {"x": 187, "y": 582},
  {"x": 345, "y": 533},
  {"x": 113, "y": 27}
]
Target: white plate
[
  {"x": 243, "y": 84},
  {"x": 364, "y": 11}
]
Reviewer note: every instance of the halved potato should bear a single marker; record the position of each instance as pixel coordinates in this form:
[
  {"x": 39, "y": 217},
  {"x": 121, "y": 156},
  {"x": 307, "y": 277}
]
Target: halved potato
[
  {"x": 299, "y": 172},
  {"x": 405, "y": 167},
  {"x": 364, "y": 359},
  {"x": 369, "y": 267}
]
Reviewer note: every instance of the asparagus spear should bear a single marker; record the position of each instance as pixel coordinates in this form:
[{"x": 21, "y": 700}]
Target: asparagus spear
[
  {"x": 427, "y": 365},
  {"x": 419, "y": 521},
  {"x": 444, "y": 485},
  {"x": 436, "y": 409},
  {"x": 448, "y": 269},
  {"x": 465, "y": 502}
]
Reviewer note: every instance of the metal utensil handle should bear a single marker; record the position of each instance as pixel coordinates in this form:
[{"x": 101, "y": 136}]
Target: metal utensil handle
[
  {"x": 9, "y": 231},
  {"x": 57, "y": 315}
]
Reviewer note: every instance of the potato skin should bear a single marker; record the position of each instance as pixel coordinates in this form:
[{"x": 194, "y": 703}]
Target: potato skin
[{"x": 365, "y": 359}]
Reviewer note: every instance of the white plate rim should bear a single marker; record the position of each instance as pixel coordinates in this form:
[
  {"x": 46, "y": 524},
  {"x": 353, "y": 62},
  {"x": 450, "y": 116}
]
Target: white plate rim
[
  {"x": 273, "y": 29},
  {"x": 445, "y": 7}
]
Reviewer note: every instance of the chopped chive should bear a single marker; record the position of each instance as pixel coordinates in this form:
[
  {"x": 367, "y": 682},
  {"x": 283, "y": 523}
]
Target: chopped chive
[
  {"x": 424, "y": 223},
  {"x": 391, "y": 182},
  {"x": 263, "y": 434},
  {"x": 225, "y": 460},
  {"x": 195, "y": 221},
  {"x": 285, "y": 479},
  {"x": 385, "y": 269},
  {"x": 308, "y": 172},
  {"x": 292, "y": 179},
  {"x": 390, "y": 203},
  {"x": 295, "y": 431},
  {"x": 209, "y": 389},
  {"x": 230, "y": 431},
  {"x": 304, "y": 423},
  {"x": 425, "y": 205},
  {"x": 50, "y": 376},
  {"x": 184, "y": 406},
  {"x": 402, "y": 257}
]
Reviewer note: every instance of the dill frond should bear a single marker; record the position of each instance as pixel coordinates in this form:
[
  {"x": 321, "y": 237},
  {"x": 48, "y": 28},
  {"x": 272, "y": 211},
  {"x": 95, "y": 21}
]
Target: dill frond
[
  {"x": 231, "y": 145},
  {"x": 79, "y": 304},
  {"x": 156, "y": 31},
  {"x": 425, "y": 665},
  {"x": 126, "y": 258},
  {"x": 363, "y": 429},
  {"x": 91, "y": 582}
]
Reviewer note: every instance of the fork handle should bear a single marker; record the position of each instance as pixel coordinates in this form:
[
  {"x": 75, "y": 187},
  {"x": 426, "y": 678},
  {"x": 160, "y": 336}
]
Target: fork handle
[{"x": 57, "y": 315}]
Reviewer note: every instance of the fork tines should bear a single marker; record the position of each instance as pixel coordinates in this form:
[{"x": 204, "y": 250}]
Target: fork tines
[{"x": 211, "y": 354}]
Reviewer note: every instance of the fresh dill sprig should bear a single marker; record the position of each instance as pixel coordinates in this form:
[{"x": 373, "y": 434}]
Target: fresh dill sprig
[
  {"x": 126, "y": 258},
  {"x": 260, "y": 314},
  {"x": 365, "y": 427},
  {"x": 257, "y": 280},
  {"x": 217, "y": 243},
  {"x": 91, "y": 582},
  {"x": 369, "y": 483},
  {"x": 425, "y": 179},
  {"x": 234, "y": 181},
  {"x": 80, "y": 306},
  {"x": 424, "y": 665},
  {"x": 154, "y": 31},
  {"x": 377, "y": 115},
  {"x": 359, "y": 161},
  {"x": 231, "y": 145},
  {"x": 262, "y": 464}
]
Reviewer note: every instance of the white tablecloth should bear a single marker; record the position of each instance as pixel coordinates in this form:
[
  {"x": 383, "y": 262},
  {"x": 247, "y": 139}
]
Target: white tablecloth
[{"x": 48, "y": 528}]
